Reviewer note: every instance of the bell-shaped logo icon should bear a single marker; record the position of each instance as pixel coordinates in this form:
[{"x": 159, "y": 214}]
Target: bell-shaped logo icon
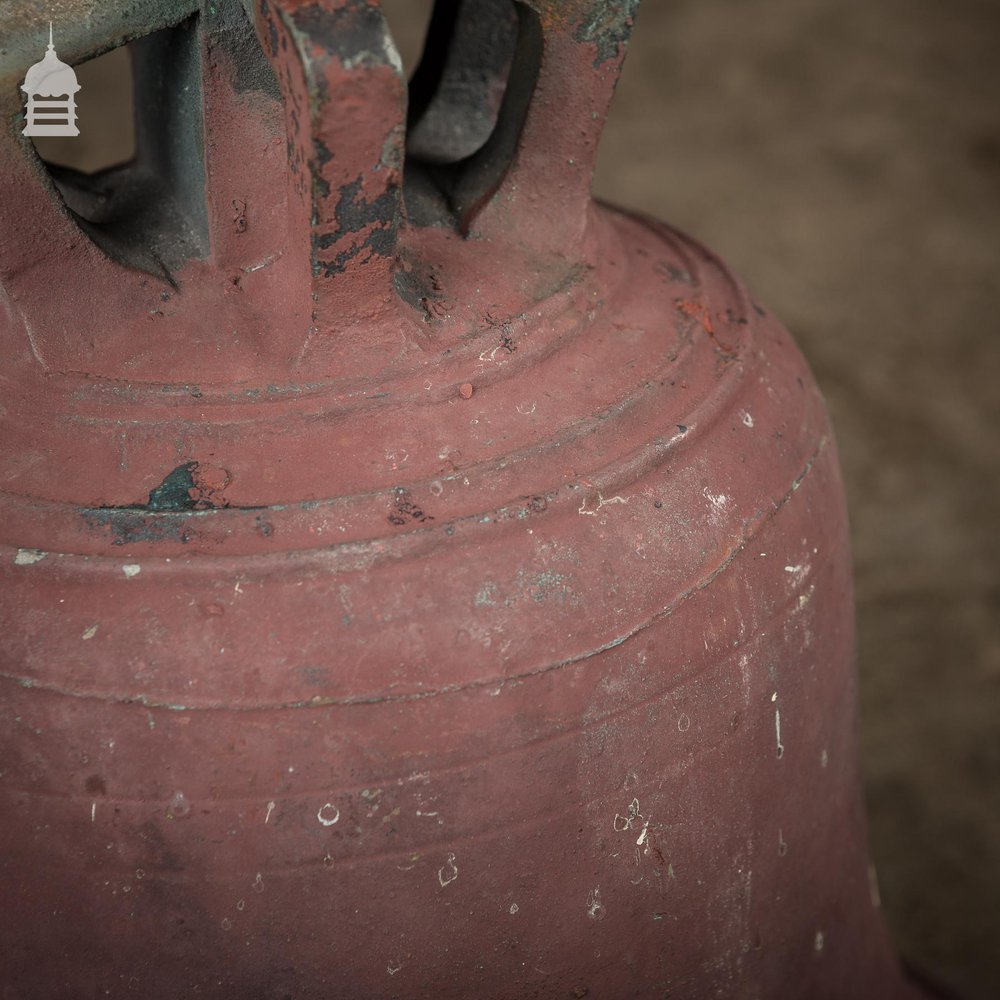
[{"x": 51, "y": 87}]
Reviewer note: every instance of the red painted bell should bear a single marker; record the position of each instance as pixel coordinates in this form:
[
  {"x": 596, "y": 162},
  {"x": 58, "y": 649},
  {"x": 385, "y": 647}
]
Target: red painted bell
[{"x": 417, "y": 580}]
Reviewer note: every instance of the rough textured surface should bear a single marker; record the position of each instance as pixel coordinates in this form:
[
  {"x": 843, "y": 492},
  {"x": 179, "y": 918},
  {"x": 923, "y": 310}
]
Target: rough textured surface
[
  {"x": 845, "y": 157},
  {"x": 682, "y": 166}
]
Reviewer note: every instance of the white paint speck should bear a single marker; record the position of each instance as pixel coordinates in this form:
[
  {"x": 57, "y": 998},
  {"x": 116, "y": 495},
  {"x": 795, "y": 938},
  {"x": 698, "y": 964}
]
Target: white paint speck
[
  {"x": 818, "y": 941},
  {"x": 448, "y": 872},
  {"x": 513, "y": 909},
  {"x": 824, "y": 758},
  {"x": 601, "y": 502},
  {"x": 270, "y": 809},
  {"x": 718, "y": 501},
  {"x": 261, "y": 264},
  {"x": 642, "y": 836},
  {"x": 131, "y": 569},
  {"x": 595, "y": 908},
  {"x": 683, "y": 722},
  {"x": 89, "y": 633},
  {"x": 746, "y": 418},
  {"x": 622, "y": 823},
  {"x": 328, "y": 814},
  {"x": 93, "y": 811},
  {"x": 397, "y": 458},
  {"x": 179, "y": 806},
  {"x": 28, "y": 557},
  {"x": 393, "y": 966}
]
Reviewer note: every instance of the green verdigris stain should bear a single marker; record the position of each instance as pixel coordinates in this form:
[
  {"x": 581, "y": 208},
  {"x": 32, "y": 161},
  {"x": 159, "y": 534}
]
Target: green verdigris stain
[{"x": 608, "y": 26}]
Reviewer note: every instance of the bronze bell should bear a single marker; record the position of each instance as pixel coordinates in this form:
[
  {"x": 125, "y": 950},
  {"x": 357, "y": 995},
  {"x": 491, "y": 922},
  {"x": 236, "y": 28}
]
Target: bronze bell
[{"x": 417, "y": 579}]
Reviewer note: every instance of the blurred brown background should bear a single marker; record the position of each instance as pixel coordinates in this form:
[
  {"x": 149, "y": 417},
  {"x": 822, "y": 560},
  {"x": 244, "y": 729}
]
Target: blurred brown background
[{"x": 845, "y": 158}]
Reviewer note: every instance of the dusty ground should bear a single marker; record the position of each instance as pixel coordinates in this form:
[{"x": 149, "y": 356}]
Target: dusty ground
[{"x": 845, "y": 157}]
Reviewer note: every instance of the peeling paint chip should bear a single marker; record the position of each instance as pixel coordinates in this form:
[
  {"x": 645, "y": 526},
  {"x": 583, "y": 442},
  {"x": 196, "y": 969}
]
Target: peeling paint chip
[
  {"x": 328, "y": 814},
  {"x": 448, "y": 872},
  {"x": 28, "y": 557},
  {"x": 595, "y": 908},
  {"x": 131, "y": 569}
]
